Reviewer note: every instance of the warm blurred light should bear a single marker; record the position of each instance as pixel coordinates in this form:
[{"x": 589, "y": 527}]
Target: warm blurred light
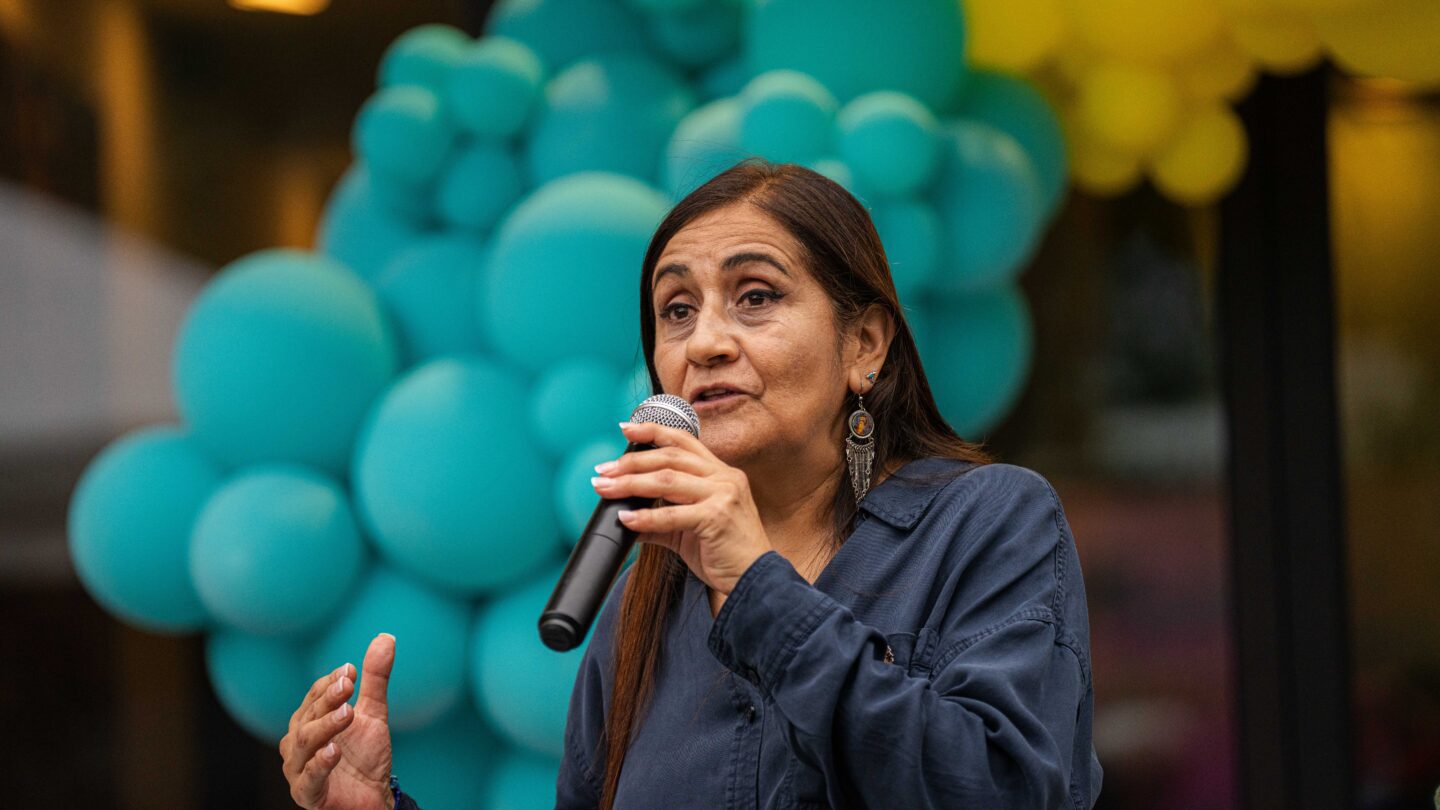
[
  {"x": 15, "y": 23},
  {"x": 282, "y": 6}
]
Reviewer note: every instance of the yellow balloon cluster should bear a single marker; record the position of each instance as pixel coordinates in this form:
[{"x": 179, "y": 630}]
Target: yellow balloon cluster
[{"x": 1144, "y": 86}]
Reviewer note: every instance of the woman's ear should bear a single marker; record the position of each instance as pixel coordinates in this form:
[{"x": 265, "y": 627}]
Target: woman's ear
[{"x": 868, "y": 344}]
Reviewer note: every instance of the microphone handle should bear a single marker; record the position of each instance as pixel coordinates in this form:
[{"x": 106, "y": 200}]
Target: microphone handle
[{"x": 597, "y": 558}]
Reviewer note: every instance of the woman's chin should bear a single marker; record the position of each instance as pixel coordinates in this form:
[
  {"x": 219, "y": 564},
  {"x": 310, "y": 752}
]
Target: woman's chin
[{"x": 729, "y": 442}]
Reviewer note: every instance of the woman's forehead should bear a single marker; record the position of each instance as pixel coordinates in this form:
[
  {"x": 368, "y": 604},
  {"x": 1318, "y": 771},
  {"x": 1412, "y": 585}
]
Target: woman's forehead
[{"x": 717, "y": 233}]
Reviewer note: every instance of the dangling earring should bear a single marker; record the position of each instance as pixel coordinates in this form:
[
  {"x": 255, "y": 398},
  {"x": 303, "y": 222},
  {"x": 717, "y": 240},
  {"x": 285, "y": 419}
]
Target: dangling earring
[{"x": 860, "y": 446}]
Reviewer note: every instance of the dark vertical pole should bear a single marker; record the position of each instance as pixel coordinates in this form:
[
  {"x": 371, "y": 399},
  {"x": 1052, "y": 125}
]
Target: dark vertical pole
[{"x": 1277, "y": 333}]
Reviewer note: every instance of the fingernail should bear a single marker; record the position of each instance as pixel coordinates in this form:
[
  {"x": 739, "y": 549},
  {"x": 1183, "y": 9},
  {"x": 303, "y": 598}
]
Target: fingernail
[
  {"x": 392, "y": 638},
  {"x": 340, "y": 670},
  {"x": 626, "y": 514},
  {"x": 601, "y": 481},
  {"x": 336, "y": 687},
  {"x": 606, "y": 467},
  {"x": 330, "y": 749},
  {"x": 626, "y": 425},
  {"x": 342, "y": 712}
]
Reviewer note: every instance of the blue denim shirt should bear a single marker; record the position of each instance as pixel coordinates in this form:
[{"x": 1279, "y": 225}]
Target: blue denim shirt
[{"x": 786, "y": 699}]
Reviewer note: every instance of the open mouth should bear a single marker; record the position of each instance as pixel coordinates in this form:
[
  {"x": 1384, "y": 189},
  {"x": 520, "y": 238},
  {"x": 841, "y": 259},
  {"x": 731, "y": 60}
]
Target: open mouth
[{"x": 715, "y": 398}]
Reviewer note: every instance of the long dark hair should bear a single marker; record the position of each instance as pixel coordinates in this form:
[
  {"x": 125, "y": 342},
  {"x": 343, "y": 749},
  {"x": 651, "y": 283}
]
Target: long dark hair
[{"x": 843, "y": 252}]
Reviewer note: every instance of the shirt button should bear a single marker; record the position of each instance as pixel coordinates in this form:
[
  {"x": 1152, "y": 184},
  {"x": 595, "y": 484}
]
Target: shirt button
[{"x": 750, "y": 712}]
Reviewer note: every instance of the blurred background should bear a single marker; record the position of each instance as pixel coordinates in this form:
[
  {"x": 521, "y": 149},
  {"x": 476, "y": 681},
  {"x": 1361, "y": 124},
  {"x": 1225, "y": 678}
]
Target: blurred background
[{"x": 146, "y": 144}]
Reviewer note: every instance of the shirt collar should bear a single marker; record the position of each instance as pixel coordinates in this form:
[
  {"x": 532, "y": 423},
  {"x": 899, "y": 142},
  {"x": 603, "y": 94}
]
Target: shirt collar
[{"x": 901, "y": 499}]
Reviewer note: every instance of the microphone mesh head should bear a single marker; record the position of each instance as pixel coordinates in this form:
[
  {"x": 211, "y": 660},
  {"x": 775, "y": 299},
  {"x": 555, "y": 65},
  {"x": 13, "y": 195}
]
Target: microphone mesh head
[{"x": 668, "y": 410}]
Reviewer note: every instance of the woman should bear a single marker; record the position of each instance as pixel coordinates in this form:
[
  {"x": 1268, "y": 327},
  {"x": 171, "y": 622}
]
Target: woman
[{"x": 805, "y": 625}]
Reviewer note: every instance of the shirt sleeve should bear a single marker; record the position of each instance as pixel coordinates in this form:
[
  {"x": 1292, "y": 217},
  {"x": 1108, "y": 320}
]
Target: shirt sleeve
[
  {"x": 579, "y": 782},
  {"x": 406, "y": 803},
  {"x": 995, "y": 722}
]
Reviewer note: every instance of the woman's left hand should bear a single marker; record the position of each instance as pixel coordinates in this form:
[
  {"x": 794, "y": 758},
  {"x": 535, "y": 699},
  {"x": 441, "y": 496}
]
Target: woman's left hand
[{"x": 711, "y": 522}]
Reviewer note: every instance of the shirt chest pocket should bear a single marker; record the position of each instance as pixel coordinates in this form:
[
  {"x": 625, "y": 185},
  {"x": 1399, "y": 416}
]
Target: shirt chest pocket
[{"x": 805, "y": 786}]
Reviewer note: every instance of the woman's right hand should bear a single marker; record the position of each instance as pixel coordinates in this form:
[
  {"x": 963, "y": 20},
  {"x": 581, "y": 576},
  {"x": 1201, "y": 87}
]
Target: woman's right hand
[{"x": 337, "y": 757}]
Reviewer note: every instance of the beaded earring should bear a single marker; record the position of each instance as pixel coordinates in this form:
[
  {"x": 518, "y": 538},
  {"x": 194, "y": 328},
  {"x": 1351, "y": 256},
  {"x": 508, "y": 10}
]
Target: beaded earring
[{"x": 860, "y": 445}]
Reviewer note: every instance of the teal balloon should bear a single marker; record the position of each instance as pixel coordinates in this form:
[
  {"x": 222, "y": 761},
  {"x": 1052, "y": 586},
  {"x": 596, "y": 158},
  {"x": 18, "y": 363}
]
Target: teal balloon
[
  {"x": 1015, "y": 107},
  {"x": 724, "y": 79},
  {"x": 611, "y": 112},
  {"x": 563, "y": 277},
  {"x": 275, "y": 550},
  {"x": 430, "y": 630},
  {"x": 479, "y": 186},
  {"x": 521, "y": 686},
  {"x": 129, "y": 521},
  {"x": 280, "y": 358},
  {"x": 448, "y": 763},
  {"x": 634, "y": 389},
  {"x": 839, "y": 171},
  {"x": 914, "y": 237},
  {"x": 977, "y": 354},
  {"x": 570, "y": 403},
  {"x": 787, "y": 117},
  {"x": 705, "y": 143},
  {"x": 358, "y": 229},
  {"x": 575, "y": 498},
  {"x": 671, "y": 6},
  {"x": 523, "y": 781},
  {"x": 856, "y": 46},
  {"x": 260, "y": 680},
  {"x": 423, "y": 56},
  {"x": 917, "y": 317},
  {"x": 990, "y": 199},
  {"x": 564, "y": 31},
  {"x": 891, "y": 141},
  {"x": 402, "y": 132},
  {"x": 495, "y": 87},
  {"x": 450, "y": 488},
  {"x": 697, "y": 35},
  {"x": 429, "y": 292}
]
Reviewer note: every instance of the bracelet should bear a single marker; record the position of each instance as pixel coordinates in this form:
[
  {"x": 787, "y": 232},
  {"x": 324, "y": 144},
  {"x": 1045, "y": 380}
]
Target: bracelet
[{"x": 395, "y": 790}]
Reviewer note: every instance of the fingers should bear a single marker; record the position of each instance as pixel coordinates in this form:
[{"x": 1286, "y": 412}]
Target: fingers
[
  {"x": 329, "y": 714},
  {"x": 305, "y": 711},
  {"x": 375, "y": 678},
  {"x": 638, "y": 461},
  {"x": 674, "y": 486},
  {"x": 663, "y": 519},
  {"x": 665, "y": 436},
  {"x": 309, "y": 788}
]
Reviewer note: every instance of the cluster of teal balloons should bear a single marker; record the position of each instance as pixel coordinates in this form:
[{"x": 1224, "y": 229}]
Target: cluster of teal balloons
[{"x": 394, "y": 432}]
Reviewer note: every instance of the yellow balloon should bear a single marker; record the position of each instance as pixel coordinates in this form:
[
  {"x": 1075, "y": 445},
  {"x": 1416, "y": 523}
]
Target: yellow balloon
[
  {"x": 1204, "y": 159},
  {"x": 1157, "y": 33},
  {"x": 1073, "y": 62},
  {"x": 1398, "y": 38},
  {"x": 1013, "y": 35},
  {"x": 1129, "y": 108},
  {"x": 1224, "y": 72},
  {"x": 1097, "y": 168},
  {"x": 1325, "y": 5},
  {"x": 1282, "y": 42}
]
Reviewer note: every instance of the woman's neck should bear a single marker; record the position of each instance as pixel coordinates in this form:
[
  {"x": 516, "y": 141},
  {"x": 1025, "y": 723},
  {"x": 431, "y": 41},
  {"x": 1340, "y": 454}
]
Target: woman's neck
[{"x": 795, "y": 500}]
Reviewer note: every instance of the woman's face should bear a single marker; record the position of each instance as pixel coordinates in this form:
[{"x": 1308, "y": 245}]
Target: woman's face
[{"x": 735, "y": 306}]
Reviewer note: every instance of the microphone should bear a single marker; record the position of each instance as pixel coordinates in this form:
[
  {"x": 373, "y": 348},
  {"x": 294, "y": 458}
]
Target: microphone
[{"x": 597, "y": 559}]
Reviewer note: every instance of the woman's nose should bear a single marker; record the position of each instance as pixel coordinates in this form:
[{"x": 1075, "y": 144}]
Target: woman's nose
[{"x": 711, "y": 340}]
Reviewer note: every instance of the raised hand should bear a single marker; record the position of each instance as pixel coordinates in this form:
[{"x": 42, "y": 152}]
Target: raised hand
[{"x": 337, "y": 757}]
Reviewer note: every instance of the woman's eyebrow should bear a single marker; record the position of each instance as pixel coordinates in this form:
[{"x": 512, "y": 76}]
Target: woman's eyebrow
[{"x": 732, "y": 261}]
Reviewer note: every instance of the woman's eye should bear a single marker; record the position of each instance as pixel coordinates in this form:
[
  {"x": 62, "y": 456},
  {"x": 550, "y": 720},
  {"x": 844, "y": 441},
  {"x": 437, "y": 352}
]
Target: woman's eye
[
  {"x": 669, "y": 313},
  {"x": 759, "y": 298}
]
